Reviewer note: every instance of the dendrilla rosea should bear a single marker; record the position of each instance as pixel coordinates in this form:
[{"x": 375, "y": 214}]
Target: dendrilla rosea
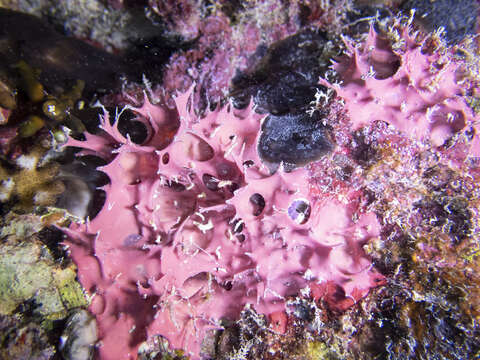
[
  {"x": 415, "y": 84},
  {"x": 195, "y": 227}
]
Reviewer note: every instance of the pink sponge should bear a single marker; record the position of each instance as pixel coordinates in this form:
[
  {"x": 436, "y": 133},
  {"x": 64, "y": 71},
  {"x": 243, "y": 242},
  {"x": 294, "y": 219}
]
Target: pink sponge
[
  {"x": 195, "y": 227},
  {"x": 414, "y": 88}
]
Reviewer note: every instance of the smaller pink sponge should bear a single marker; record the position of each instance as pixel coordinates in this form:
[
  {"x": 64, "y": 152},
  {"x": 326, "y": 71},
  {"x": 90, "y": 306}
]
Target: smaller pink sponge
[
  {"x": 195, "y": 227},
  {"x": 417, "y": 90}
]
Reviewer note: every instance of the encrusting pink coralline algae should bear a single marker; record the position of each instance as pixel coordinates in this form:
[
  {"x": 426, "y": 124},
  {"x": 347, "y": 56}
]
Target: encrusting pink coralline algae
[{"x": 195, "y": 226}]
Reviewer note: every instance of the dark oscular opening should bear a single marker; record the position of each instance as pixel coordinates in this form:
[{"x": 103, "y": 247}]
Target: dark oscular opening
[
  {"x": 237, "y": 226},
  {"x": 258, "y": 203},
  {"x": 384, "y": 70},
  {"x": 226, "y": 170},
  {"x": 176, "y": 186},
  {"x": 227, "y": 285},
  {"x": 240, "y": 237},
  {"x": 165, "y": 159},
  {"x": 200, "y": 150},
  {"x": 384, "y": 62},
  {"x": 299, "y": 211},
  {"x": 233, "y": 187},
  {"x": 210, "y": 182},
  {"x": 129, "y": 127}
]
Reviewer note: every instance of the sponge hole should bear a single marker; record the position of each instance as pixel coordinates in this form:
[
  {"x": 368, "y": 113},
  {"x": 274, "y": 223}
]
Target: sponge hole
[
  {"x": 198, "y": 149},
  {"x": 258, "y": 204},
  {"x": 210, "y": 182},
  {"x": 165, "y": 158},
  {"x": 299, "y": 211}
]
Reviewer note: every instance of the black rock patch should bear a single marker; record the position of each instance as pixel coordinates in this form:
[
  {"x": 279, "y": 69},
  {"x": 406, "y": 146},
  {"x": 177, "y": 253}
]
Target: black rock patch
[
  {"x": 293, "y": 139},
  {"x": 284, "y": 77}
]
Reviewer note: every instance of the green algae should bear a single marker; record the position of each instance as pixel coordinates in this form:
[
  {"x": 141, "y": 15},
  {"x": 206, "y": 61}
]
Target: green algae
[
  {"x": 28, "y": 272},
  {"x": 317, "y": 350}
]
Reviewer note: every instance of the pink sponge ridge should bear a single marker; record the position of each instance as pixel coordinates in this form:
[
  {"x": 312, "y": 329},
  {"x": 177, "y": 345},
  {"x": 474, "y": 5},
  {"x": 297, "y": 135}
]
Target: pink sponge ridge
[{"x": 417, "y": 88}]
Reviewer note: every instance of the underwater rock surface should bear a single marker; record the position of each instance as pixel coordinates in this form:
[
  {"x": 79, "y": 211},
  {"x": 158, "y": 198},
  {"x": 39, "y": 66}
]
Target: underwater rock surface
[
  {"x": 293, "y": 140},
  {"x": 457, "y": 17},
  {"x": 288, "y": 249},
  {"x": 363, "y": 244}
]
